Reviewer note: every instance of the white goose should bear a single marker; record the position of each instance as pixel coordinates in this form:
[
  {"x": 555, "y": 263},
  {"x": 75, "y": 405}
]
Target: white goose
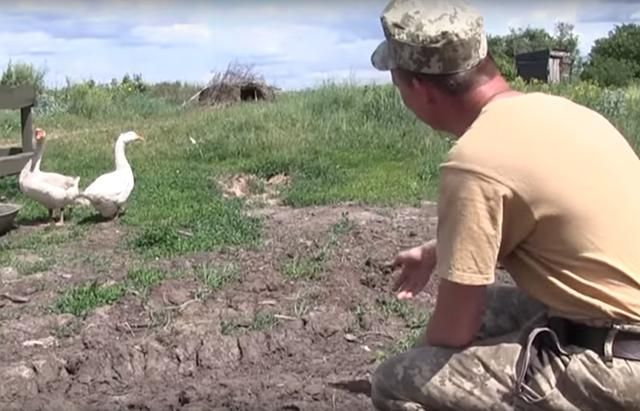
[
  {"x": 109, "y": 193},
  {"x": 53, "y": 190}
]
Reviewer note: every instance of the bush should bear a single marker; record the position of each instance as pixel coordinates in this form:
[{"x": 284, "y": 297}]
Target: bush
[
  {"x": 129, "y": 98},
  {"x": 615, "y": 59},
  {"x": 19, "y": 74},
  {"x": 610, "y": 71}
]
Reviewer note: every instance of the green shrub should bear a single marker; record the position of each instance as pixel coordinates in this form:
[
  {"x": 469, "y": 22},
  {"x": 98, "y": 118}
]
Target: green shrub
[
  {"x": 18, "y": 74},
  {"x": 610, "y": 71}
]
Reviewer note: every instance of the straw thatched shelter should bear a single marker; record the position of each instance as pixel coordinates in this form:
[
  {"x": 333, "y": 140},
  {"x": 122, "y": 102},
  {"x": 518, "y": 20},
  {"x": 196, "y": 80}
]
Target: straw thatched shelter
[{"x": 236, "y": 84}]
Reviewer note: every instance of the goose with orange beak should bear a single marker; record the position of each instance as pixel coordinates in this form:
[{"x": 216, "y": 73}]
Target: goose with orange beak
[
  {"x": 53, "y": 190},
  {"x": 109, "y": 193}
]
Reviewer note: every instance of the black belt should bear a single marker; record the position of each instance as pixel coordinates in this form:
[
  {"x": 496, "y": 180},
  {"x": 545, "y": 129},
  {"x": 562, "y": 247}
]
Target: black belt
[{"x": 625, "y": 344}]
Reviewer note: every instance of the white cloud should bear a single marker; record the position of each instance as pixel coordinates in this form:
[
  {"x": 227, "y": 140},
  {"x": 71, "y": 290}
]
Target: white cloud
[
  {"x": 174, "y": 34},
  {"x": 41, "y": 43},
  {"x": 293, "y": 46}
]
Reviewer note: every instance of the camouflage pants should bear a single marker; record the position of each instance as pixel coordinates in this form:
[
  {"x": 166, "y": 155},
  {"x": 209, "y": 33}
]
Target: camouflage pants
[{"x": 504, "y": 371}]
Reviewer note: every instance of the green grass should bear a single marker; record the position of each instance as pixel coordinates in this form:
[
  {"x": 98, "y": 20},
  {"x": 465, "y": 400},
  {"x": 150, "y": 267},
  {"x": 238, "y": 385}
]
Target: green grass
[
  {"x": 142, "y": 280},
  {"x": 300, "y": 267},
  {"x": 35, "y": 253},
  {"x": 216, "y": 277},
  {"x": 261, "y": 321},
  {"x": 337, "y": 143},
  {"x": 85, "y": 298}
]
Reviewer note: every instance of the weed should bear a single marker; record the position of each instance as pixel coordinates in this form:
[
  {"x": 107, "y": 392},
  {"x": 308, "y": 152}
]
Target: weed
[
  {"x": 359, "y": 312},
  {"x": 142, "y": 280},
  {"x": 343, "y": 226},
  {"x": 415, "y": 322},
  {"x": 215, "y": 277},
  {"x": 261, "y": 321},
  {"x": 303, "y": 268},
  {"x": 82, "y": 299},
  {"x": 68, "y": 329}
]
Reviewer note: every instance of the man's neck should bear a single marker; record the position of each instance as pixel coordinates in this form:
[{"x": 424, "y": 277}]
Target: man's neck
[{"x": 468, "y": 110}]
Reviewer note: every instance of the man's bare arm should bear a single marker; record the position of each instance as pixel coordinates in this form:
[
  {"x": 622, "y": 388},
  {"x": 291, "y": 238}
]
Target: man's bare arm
[{"x": 457, "y": 316}]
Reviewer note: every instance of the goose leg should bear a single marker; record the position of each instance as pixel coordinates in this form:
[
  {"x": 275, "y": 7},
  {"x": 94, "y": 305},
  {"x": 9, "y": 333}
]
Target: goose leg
[{"x": 61, "y": 221}]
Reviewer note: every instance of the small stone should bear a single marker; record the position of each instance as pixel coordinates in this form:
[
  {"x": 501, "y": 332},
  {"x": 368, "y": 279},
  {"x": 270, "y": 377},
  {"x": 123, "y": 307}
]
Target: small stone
[
  {"x": 178, "y": 296},
  {"x": 19, "y": 371},
  {"x": 350, "y": 337},
  {"x": 44, "y": 343},
  {"x": 314, "y": 389}
]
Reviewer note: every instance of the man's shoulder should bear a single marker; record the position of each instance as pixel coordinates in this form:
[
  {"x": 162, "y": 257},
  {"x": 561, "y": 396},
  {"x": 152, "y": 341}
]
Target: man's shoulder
[{"x": 507, "y": 135}]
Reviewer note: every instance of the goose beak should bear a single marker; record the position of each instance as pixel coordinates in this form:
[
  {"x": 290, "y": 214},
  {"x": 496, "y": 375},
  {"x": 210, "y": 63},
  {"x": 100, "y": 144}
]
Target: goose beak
[
  {"x": 140, "y": 137},
  {"x": 40, "y": 133}
]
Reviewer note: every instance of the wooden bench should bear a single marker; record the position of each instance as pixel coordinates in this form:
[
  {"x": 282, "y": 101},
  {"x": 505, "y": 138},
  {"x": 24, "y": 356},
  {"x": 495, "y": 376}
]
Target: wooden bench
[{"x": 23, "y": 98}]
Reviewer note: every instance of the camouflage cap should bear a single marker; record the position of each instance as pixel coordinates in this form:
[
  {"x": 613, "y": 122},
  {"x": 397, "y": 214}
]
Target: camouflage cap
[{"x": 430, "y": 36}]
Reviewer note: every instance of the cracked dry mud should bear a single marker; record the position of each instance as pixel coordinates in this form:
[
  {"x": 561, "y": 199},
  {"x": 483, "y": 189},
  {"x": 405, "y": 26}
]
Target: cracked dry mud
[{"x": 264, "y": 342}]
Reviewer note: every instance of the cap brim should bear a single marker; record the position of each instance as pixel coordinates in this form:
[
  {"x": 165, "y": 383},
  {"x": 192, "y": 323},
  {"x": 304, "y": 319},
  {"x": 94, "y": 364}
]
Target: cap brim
[{"x": 380, "y": 59}]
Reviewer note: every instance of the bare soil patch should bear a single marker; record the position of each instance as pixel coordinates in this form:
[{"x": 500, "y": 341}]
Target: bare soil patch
[
  {"x": 256, "y": 190},
  {"x": 296, "y": 321}
]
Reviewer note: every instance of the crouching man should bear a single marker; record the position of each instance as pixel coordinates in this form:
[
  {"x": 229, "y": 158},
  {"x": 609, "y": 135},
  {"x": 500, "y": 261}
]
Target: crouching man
[{"x": 539, "y": 184}]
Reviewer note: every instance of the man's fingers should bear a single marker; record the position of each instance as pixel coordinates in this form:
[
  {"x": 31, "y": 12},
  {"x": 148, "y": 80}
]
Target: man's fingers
[
  {"x": 410, "y": 287},
  {"x": 405, "y": 295}
]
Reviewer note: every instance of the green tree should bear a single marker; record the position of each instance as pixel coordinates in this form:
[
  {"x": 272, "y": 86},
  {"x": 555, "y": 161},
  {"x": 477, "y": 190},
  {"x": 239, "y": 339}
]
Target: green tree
[
  {"x": 565, "y": 38},
  {"x": 610, "y": 71},
  {"x": 614, "y": 60},
  {"x": 523, "y": 40},
  {"x": 503, "y": 59}
]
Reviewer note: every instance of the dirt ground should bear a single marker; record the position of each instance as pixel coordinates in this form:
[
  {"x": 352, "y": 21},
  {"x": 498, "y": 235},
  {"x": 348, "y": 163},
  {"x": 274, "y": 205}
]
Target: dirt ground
[{"x": 303, "y": 328}]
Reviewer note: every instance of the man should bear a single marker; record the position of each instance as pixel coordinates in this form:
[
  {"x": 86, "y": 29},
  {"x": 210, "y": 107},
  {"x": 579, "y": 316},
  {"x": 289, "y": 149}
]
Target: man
[{"x": 543, "y": 186}]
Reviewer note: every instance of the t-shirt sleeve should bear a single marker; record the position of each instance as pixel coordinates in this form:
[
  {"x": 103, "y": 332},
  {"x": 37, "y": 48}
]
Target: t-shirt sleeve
[{"x": 470, "y": 226}]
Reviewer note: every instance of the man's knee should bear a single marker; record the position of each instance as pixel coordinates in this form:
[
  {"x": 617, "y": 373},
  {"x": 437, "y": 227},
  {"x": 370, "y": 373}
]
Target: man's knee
[
  {"x": 402, "y": 381},
  {"x": 386, "y": 382}
]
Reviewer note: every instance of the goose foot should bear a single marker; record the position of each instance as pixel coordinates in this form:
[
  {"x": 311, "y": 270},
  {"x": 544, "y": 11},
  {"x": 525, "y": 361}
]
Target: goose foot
[
  {"x": 60, "y": 222},
  {"x": 120, "y": 212}
]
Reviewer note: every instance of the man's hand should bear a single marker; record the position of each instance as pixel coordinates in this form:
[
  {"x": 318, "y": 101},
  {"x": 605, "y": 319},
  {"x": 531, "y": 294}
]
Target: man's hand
[{"x": 416, "y": 265}]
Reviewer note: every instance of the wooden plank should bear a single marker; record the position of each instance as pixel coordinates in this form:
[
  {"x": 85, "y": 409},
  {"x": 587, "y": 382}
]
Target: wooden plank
[
  {"x": 13, "y": 164},
  {"x": 15, "y": 98},
  {"x": 27, "y": 128}
]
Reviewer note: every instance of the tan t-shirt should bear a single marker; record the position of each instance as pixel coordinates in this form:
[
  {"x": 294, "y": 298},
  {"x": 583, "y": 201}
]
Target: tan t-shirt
[{"x": 551, "y": 190}]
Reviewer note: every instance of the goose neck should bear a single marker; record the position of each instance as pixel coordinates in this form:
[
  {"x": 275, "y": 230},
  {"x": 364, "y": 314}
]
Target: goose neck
[{"x": 121, "y": 159}]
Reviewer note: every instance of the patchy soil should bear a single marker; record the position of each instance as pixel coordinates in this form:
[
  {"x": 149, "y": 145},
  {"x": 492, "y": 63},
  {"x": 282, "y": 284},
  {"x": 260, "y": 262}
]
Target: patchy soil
[
  {"x": 256, "y": 190},
  {"x": 299, "y": 323}
]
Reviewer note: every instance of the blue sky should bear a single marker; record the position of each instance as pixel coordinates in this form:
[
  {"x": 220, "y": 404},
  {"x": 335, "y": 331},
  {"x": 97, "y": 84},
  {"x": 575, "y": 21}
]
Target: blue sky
[{"x": 292, "y": 44}]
